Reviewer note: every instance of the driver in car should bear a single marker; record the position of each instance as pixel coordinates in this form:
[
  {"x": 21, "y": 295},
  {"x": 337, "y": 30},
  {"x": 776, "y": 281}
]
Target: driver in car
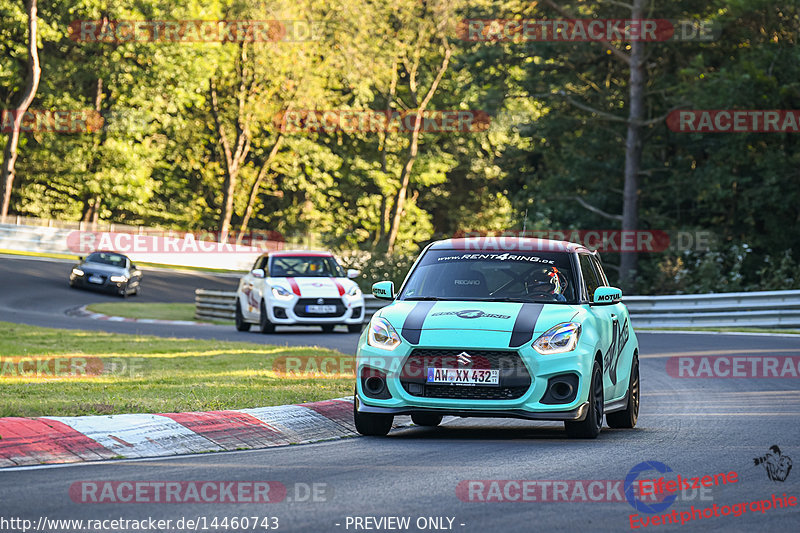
[{"x": 547, "y": 282}]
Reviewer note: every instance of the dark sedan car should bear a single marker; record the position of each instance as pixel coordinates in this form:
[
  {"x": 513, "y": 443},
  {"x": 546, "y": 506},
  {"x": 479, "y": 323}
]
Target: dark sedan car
[{"x": 106, "y": 271}]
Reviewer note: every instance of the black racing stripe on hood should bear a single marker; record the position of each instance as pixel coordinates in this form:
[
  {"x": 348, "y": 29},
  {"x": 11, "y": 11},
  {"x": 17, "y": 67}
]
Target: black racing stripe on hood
[
  {"x": 412, "y": 327},
  {"x": 523, "y": 327}
]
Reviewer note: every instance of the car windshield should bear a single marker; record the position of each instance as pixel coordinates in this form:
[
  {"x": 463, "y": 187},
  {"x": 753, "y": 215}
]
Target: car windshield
[
  {"x": 107, "y": 259},
  {"x": 304, "y": 266},
  {"x": 492, "y": 276}
]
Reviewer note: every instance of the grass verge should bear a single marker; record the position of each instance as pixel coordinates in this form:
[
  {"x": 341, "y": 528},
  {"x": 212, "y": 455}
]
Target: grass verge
[
  {"x": 158, "y": 311},
  {"x": 144, "y": 374}
]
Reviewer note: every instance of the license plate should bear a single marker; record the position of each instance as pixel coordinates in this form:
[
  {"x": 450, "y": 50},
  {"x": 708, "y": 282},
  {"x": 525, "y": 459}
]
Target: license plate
[
  {"x": 95, "y": 279},
  {"x": 463, "y": 376},
  {"x": 321, "y": 309}
]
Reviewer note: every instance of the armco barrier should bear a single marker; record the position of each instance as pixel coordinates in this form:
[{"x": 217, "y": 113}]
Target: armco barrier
[
  {"x": 754, "y": 309},
  {"x": 222, "y": 305},
  {"x": 53, "y": 240}
]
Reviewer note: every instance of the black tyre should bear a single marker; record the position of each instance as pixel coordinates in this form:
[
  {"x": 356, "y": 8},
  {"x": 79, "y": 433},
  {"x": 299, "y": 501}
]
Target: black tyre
[
  {"x": 123, "y": 292},
  {"x": 263, "y": 321},
  {"x": 627, "y": 418},
  {"x": 426, "y": 419},
  {"x": 241, "y": 325},
  {"x": 327, "y": 328},
  {"x": 589, "y": 427},
  {"x": 354, "y": 328},
  {"x": 371, "y": 424}
]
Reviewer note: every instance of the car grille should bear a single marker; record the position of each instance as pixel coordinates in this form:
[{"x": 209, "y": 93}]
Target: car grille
[
  {"x": 87, "y": 274},
  {"x": 300, "y": 307},
  {"x": 515, "y": 380}
]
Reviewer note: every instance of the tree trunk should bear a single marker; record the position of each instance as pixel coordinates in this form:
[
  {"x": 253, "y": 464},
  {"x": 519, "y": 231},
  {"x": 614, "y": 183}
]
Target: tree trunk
[
  {"x": 405, "y": 175},
  {"x": 234, "y": 156},
  {"x": 256, "y": 185},
  {"x": 633, "y": 152},
  {"x": 31, "y": 86}
]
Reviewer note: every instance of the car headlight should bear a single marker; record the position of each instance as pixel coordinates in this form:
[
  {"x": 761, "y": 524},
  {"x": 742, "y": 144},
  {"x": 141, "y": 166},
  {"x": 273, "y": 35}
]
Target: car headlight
[
  {"x": 77, "y": 271},
  {"x": 382, "y": 334},
  {"x": 558, "y": 339},
  {"x": 280, "y": 293},
  {"x": 118, "y": 279},
  {"x": 354, "y": 291}
]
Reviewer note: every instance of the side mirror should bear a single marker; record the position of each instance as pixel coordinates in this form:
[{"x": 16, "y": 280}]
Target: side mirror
[
  {"x": 80, "y": 258},
  {"x": 383, "y": 290},
  {"x": 607, "y": 296},
  {"x": 352, "y": 273},
  {"x": 258, "y": 273}
]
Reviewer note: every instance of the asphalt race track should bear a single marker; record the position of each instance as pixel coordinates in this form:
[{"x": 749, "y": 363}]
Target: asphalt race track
[
  {"x": 697, "y": 427},
  {"x": 35, "y": 291}
]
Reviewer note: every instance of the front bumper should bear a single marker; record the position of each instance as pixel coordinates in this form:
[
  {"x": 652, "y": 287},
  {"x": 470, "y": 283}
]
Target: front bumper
[
  {"x": 106, "y": 286},
  {"x": 286, "y": 312},
  {"x": 527, "y": 405},
  {"x": 577, "y": 414}
]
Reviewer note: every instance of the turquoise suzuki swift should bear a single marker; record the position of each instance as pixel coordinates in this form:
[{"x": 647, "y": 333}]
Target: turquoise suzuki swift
[{"x": 500, "y": 327}]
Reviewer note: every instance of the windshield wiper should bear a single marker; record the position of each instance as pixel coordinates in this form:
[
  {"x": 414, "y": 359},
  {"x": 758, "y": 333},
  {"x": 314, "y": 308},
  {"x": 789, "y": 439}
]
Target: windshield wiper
[
  {"x": 518, "y": 300},
  {"x": 425, "y": 299},
  {"x": 503, "y": 299}
]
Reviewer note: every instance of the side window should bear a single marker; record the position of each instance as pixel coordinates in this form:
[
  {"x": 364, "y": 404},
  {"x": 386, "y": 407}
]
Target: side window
[
  {"x": 600, "y": 272},
  {"x": 589, "y": 276},
  {"x": 261, "y": 262}
]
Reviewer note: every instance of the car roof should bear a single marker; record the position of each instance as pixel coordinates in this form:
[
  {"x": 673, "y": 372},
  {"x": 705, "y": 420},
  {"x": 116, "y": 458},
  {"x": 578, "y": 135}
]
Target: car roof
[
  {"x": 502, "y": 243},
  {"x": 109, "y": 252},
  {"x": 300, "y": 253}
]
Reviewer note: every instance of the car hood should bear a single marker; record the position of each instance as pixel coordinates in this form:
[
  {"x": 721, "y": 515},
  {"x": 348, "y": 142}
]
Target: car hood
[
  {"x": 314, "y": 287},
  {"x": 494, "y": 323},
  {"x": 101, "y": 268}
]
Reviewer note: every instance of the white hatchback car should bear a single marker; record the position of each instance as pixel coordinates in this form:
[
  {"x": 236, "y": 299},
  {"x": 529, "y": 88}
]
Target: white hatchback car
[{"x": 299, "y": 288}]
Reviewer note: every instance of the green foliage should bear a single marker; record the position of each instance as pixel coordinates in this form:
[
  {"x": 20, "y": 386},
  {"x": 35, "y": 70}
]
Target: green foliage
[{"x": 557, "y": 130}]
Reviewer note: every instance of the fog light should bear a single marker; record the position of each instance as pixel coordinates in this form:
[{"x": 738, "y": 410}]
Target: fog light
[
  {"x": 561, "y": 389},
  {"x": 373, "y": 384}
]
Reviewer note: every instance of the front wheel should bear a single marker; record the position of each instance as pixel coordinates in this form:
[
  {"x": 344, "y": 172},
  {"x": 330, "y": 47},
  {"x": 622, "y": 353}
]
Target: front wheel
[
  {"x": 241, "y": 325},
  {"x": 371, "y": 424},
  {"x": 354, "y": 328},
  {"x": 263, "y": 320},
  {"x": 589, "y": 427},
  {"x": 327, "y": 328},
  {"x": 626, "y": 419}
]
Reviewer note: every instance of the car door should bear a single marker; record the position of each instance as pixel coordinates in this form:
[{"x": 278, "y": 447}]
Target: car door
[
  {"x": 251, "y": 289},
  {"x": 606, "y": 323},
  {"x": 622, "y": 350}
]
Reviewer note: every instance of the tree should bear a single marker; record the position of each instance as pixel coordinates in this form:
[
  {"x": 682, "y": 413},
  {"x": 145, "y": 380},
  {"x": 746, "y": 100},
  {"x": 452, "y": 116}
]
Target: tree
[{"x": 26, "y": 97}]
